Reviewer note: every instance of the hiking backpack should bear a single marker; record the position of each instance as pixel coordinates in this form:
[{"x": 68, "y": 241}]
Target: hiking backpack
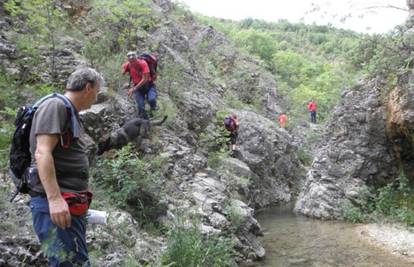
[
  {"x": 152, "y": 62},
  {"x": 20, "y": 157},
  {"x": 229, "y": 124}
]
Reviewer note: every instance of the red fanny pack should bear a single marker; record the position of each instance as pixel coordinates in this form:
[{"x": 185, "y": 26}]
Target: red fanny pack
[{"x": 78, "y": 202}]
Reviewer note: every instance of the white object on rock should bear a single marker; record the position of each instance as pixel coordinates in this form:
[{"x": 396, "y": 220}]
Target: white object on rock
[{"x": 97, "y": 217}]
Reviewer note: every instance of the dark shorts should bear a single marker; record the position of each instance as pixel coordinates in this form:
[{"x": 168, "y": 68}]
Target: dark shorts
[
  {"x": 62, "y": 247},
  {"x": 233, "y": 137}
]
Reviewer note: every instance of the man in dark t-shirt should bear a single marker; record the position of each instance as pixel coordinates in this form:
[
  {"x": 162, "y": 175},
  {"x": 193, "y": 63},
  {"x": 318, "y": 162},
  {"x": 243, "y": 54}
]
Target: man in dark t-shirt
[{"x": 61, "y": 168}]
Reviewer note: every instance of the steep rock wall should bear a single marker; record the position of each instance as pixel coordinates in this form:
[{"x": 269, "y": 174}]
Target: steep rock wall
[{"x": 357, "y": 155}]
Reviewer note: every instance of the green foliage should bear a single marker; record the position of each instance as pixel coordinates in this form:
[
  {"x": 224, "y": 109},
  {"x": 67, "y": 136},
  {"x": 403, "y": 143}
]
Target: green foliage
[
  {"x": 363, "y": 212},
  {"x": 215, "y": 140},
  {"x": 394, "y": 202},
  {"x": 131, "y": 261},
  {"x": 9, "y": 101},
  {"x": 97, "y": 50},
  {"x": 181, "y": 13},
  {"x": 24, "y": 43},
  {"x": 232, "y": 100},
  {"x": 111, "y": 70},
  {"x": 235, "y": 218},
  {"x": 126, "y": 17},
  {"x": 125, "y": 174},
  {"x": 215, "y": 159},
  {"x": 112, "y": 31},
  {"x": 8, "y": 91},
  {"x": 41, "y": 90},
  {"x": 354, "y": 214},
  {"x": 305, "y": 157},
  {"x": 44, "y": 20},
  {"x": 383, "y": 54},
  {"x": 6, "y": 134},
  {"x": 187, "y": 246},
  {"x": 168, "y": 81},
  {"x": 256, "y": 43}
]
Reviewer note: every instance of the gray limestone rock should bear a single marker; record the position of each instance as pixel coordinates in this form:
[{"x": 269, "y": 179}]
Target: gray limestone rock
[{"x": 355, "y": 158}]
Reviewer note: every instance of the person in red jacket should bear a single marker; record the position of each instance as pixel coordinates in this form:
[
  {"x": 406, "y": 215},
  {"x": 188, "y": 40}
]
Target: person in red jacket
[
  {"x": 312, "y": 109},
  {"x": 282, "y": 120},
  {"x": 139, "y": 73}
]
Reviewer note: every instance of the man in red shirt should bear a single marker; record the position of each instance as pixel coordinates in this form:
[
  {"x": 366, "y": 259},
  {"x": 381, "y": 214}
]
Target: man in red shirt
[
  {"x": 312, "y": 109},
  {"x": 140, "y": 76},
  {"x": 282, "y": 120}
]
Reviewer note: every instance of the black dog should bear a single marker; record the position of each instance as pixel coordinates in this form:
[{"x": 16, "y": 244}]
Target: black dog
[{"x": 133, "y": 130}]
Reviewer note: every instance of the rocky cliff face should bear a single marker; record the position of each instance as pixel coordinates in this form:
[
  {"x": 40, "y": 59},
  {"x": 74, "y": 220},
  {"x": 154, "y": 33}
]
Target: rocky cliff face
[
  {"x": 400, "y": 122},
  {"x": 356, "y": 157}
]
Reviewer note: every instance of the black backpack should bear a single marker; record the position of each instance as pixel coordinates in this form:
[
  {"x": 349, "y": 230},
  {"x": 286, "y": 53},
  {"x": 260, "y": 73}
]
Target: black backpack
[
  {"x": 152, "y": 62},
  {"x": 229, "y": 124},
  {"x": 20, "y": 157}
]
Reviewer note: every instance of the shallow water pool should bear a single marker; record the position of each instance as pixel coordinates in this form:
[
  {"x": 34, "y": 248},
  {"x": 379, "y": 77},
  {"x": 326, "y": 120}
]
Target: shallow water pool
[{"x": 298, "y": 241}]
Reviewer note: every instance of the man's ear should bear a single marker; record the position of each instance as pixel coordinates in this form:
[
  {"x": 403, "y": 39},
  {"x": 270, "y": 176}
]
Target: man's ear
[{"x": 88, "y": 87}]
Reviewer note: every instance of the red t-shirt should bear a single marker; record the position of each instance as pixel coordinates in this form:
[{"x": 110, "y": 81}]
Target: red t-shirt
[
  {"x": 136, "y": 69},
  {"x": 282, "y": 118},
  {"x": 312, "y": 106}
]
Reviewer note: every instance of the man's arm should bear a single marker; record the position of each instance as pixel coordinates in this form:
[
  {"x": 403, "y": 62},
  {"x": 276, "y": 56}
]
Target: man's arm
[
  {"x": 58, "y": 208},
  {"x": 145, "y": 78}
]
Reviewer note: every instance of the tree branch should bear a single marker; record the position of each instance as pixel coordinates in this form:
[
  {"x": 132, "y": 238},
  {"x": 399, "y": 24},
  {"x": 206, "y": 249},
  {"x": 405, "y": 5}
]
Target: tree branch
[{"x": 387, "y": 6}]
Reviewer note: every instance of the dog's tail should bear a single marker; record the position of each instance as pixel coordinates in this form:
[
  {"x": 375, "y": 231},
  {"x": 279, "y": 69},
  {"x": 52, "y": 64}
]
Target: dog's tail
[{"x": 158, "y": 122}]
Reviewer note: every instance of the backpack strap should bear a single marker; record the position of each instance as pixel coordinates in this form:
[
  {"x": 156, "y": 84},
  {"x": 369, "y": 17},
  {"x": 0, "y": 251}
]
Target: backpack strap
[
  {"x": 71, "y": 131},
  {"x": 74, "y": 125}
]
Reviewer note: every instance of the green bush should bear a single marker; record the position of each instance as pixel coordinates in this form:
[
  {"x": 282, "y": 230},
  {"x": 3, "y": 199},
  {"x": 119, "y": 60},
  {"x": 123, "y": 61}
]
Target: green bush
[
  {"x": 43, "y": 89},
  {"x": 215, "y": 159},
  {"x": 215, "y": 139},
  {"x": 126, "y": 174},
  {"x": 305, "y": 157},
  {"x": 187, "y": 246},
  {"x": 8, "y": 91},
  {"x": 235, "y": 218},
  {"x": 394, "y": 202},
  {"x": 354, "y": 214},
  {"x": 232, "y": 100}
]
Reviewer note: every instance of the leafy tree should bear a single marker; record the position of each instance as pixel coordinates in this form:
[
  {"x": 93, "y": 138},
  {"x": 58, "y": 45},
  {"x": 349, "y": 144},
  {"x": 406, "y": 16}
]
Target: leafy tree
[
  {"x": 43, "y": 19},
  {"x": 257, "y": 43}
]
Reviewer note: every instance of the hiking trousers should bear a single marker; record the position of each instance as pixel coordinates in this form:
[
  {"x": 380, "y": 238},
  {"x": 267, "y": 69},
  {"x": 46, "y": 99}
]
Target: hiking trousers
[
  {"x": 313, "y": 116},
  {"x": 63, "y": 248},
  {"x": 150, "y": 95}
]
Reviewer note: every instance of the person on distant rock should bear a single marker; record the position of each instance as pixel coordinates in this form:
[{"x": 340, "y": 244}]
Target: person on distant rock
[
  {"x": 231, "y": 123},
  {"x": 282, "y": 120},
  {"x": 312, "y": 107},
  {"x": 139, "y": 72}
]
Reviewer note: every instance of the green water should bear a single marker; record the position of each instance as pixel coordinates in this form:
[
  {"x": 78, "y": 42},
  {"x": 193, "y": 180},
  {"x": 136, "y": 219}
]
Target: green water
[{"x": 298, "y": 241}]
